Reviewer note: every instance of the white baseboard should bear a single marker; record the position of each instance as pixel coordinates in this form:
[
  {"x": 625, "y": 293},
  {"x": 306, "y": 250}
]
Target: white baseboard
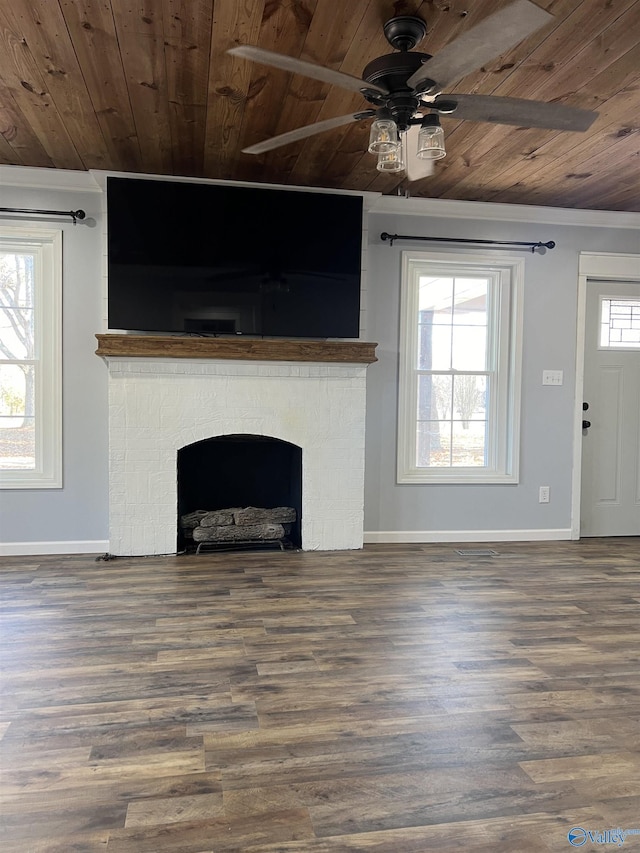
[
  {"x": 101, "y": 546},
  {"x": 417, "y": 536},
  {"x": 35, "y": 549}
]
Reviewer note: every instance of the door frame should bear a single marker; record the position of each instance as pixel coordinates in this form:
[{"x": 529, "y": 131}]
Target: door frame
[{"x": 592, "y": 266}]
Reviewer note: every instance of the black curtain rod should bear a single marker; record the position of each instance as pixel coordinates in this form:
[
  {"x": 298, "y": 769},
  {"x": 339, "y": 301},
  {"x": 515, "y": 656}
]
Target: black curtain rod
[
  {"x": 531, "y": 245},
  {"x": 74, "y": 214}
]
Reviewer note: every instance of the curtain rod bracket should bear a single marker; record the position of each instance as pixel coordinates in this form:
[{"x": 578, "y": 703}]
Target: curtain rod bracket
[{"x": 550, "y": 244}]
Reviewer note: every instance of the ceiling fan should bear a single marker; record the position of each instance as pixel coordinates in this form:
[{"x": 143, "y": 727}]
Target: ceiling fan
[{"x": 406, "y": 90}]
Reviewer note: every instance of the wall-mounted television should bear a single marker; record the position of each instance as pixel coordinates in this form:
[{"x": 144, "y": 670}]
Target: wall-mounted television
[{"x": 223, "y": 259}]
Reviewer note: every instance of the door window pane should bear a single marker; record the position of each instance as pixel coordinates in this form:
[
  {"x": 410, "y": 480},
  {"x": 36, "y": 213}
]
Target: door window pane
[{"x": 620, "y": 324}]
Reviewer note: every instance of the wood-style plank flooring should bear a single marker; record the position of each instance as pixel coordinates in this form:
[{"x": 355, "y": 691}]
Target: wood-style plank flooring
[{"x": 399, "y": 699}]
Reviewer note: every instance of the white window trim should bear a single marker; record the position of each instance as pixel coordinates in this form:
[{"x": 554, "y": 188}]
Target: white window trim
[
  {"x": 509, "y": 271},
  {"x": 48, "y": 393}
]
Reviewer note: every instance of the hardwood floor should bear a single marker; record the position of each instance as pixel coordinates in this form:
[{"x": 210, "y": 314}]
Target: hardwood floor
[{"x": 400, "y": 699}]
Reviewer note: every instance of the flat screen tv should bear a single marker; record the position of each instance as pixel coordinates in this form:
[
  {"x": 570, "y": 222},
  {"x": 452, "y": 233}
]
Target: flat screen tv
[{"x": 219, "y": 259}]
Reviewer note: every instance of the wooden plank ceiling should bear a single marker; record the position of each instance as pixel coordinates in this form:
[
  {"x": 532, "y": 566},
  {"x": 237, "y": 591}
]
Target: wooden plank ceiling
[{"x": 147, "y": 86}]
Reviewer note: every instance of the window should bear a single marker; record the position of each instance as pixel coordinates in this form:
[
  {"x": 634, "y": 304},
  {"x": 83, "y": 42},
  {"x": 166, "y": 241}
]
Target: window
[
  {"x": 619, "y": 323},
  {"x": 30, "y": 358},
  {"x": 460, "y": 352}
]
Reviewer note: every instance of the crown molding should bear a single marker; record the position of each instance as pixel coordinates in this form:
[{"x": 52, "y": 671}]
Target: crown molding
[
  {"x": 33, "y": 177},
  {"x": 95, "y": 180},
  {"x": 445, "y": 208},
  {"x": 100, "y": 177}
]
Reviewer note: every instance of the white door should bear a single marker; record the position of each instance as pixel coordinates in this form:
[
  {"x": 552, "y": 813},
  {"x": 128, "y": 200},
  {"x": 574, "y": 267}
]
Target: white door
[{"x": 610, "y": 499}]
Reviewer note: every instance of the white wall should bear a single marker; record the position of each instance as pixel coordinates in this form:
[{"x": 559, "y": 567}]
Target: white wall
[
  {"x": 484, "y": 512},
  {"x": 75, "y": 518}
]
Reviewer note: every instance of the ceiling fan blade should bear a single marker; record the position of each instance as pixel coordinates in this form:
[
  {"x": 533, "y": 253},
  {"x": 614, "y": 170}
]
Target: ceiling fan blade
[
  {"x": 417, "y": 168},
  {"x": 482, "y": 43},
  {"x": 304, "y": 132},
  {"x": 308, "y": 69},
  {"x": 520, "y": 112}
]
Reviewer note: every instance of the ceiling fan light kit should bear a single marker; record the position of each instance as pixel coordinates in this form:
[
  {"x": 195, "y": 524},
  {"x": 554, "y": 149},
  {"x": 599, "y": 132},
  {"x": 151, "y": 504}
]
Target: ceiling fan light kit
[
  {"x": 392, "y": 161},
  {"x": 383, "y": 137},
  {"x": 431, "y": 139},
  {"x": 405, "y": 88}
]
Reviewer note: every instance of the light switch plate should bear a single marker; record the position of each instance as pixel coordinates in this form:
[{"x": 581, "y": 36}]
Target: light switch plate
[{"x": 552, "y": 377}]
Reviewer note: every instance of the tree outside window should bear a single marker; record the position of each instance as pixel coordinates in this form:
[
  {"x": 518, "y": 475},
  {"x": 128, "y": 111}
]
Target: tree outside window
[
  {"x": 30, "y": 357},
  {"x": 17, "y": 349}
]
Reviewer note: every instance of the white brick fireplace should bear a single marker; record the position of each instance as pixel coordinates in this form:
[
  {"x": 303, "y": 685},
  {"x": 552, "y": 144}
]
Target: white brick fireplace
[{"x": 158, "y": 405}]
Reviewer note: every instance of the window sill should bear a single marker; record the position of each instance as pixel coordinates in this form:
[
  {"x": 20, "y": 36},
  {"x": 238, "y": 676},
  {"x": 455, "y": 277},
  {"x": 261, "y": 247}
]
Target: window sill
[{"x": 458, "y": 478}]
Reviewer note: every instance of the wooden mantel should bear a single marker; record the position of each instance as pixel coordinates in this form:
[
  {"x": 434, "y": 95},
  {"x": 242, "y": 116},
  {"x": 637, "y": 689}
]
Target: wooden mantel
[{"x": 242, "y": 349}]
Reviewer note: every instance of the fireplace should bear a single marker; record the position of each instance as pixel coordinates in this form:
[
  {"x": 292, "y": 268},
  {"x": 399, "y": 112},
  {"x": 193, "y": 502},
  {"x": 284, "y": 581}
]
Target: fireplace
[
  {"x": 170, "y": 393},
  {"x": 239, "y": 471}
]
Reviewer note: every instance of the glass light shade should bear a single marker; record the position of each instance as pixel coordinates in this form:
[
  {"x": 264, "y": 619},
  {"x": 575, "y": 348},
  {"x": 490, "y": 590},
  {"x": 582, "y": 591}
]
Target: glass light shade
[
  {"x": 392, "y": 161},
  {"x": 431, "y": 143},
  {"x": 383, "y": 136}
]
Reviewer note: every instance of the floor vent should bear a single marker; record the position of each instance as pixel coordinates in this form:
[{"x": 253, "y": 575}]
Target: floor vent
[{"x": 476, "y": 552}]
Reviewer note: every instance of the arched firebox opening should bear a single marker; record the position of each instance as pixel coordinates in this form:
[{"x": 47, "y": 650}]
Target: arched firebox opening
[{"x": 236, "y": 471}]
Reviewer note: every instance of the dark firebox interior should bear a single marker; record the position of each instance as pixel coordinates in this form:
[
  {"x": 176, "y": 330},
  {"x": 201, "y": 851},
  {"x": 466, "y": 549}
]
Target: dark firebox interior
[{"x": 238, "y": 471}]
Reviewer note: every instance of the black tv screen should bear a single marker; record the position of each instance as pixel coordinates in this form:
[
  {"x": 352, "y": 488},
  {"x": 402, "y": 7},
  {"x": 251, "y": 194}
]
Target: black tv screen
[{"x": 209, "y": 259}]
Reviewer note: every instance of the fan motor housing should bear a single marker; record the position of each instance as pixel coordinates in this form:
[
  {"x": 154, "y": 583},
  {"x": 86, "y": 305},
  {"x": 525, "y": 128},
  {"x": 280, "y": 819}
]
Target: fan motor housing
[{"x": 394, "y": 69}]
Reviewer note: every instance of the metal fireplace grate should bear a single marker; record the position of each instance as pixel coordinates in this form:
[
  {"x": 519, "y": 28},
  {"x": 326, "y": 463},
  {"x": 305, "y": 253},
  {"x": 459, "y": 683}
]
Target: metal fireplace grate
[{"x": 246, "y": 545}]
